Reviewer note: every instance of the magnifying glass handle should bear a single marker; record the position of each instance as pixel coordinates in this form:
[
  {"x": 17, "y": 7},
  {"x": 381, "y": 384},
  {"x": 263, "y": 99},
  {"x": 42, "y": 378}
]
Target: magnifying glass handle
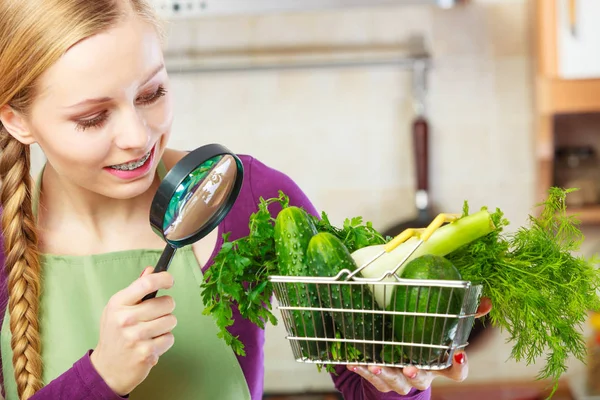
[{"x": 163, "y": 264}]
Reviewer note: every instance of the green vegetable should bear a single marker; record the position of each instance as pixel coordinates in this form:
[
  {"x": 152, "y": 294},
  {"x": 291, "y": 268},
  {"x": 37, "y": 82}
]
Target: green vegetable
[
  {"x": 293, "y": 231},
  {"x": 355, "y": 234},
  {"x": 540, "y": 290},
  {"x": 443, "y": 241},
  {"x": 239, "y": 274},
  {"x": 438, "y": 300},
  {"x": 326, "y": 256}
]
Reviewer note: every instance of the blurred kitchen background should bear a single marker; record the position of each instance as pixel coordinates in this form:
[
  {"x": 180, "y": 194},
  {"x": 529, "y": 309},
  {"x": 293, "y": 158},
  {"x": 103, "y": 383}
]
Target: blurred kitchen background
[{"x": 327, "y": 91}]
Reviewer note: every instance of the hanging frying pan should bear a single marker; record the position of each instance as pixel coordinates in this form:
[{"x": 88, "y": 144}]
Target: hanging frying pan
[
  {"x": 425, "y": 214},
  {"x": 420, "y": 147}
]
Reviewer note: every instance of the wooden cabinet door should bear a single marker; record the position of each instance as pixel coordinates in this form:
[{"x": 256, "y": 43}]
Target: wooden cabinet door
[{"x": 577, "y": 28}]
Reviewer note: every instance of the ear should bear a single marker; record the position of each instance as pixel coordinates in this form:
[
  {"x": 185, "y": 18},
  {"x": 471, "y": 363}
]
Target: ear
[{"x": 16, "y": 125}]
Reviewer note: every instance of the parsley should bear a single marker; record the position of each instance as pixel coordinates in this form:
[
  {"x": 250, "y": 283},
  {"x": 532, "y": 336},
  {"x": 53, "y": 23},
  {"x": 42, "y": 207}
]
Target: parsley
[
  {"x": 240, "y": 272},
  {"x": 354, "y": 234},
  {"x": 239, "y": 275}
]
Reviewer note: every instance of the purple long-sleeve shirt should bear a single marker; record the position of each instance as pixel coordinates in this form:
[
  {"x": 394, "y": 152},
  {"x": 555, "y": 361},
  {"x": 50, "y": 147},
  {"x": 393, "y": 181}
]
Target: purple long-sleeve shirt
[{"x": 83, "y": 382}]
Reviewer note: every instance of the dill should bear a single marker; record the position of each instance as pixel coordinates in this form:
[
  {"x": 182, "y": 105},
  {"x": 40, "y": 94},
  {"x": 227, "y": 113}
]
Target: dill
[{"x": 541, "y": 292}]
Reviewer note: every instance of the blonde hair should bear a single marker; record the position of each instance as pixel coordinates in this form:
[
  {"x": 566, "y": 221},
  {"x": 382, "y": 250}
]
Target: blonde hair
[{"x": 34, "y": 34}]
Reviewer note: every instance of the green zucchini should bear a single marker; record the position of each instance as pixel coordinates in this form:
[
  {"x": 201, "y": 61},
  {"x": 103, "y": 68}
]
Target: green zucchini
[
  {"x": 293, "y": 230},
  {"x": 326, "y": 256}
]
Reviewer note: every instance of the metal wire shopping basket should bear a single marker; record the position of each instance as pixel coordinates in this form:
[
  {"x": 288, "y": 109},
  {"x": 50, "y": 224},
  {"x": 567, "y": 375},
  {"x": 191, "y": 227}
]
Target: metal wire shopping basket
[{"x": 336, "y": 320}]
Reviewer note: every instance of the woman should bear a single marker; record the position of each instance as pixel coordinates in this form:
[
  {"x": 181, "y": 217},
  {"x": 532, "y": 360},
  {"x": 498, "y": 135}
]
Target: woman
[{"x": 86, "y": 81}]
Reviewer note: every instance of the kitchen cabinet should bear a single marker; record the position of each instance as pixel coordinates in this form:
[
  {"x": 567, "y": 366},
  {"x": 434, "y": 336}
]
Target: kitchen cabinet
[
  {"x": 569, "y": 38},
  {"x": 577, "y": 38},
  {"x": 567, "y": 41},
  {"x": 567, "y": 79}
]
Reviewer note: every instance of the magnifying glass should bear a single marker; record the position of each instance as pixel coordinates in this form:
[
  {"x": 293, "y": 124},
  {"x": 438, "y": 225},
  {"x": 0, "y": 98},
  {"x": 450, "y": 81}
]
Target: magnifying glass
[{"x": 193, "y": 198}]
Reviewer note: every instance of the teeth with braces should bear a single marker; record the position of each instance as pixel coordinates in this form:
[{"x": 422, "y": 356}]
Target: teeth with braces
[{"x": 132, "y": 165}]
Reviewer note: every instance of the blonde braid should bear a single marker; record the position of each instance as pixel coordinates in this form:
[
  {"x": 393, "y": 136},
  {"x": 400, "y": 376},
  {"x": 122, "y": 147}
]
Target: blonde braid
[
  {"x": 22, "y": 263},
  {"x": 31, "y": 41}
]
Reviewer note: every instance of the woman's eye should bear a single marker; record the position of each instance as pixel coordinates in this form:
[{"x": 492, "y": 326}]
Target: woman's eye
[
  {"x": 95, "y": 122},
  {"x": 98, "y": 120},
  {"x": 152, "y": 97}
]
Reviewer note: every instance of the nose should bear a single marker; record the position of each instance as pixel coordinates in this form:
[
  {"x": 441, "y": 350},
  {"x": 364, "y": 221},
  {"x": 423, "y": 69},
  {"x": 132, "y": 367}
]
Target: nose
[{"x": 133, "y": 132}]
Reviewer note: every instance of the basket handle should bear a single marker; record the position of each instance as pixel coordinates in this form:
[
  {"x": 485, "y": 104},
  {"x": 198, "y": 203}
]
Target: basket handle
[{"x": 422, "y": 233}]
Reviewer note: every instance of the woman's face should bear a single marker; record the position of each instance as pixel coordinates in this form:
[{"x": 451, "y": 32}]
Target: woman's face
[{"x": 103, "y": 113}]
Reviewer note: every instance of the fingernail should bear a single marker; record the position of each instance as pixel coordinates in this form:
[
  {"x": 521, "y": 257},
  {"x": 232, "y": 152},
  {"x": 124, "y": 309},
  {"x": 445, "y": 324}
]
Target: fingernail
[
  {"x": 354, "y": 369},
  {"x": 413, "y": 375},
  {"x": 376, "y": 371},
  {"x": 459, "y": 358}
]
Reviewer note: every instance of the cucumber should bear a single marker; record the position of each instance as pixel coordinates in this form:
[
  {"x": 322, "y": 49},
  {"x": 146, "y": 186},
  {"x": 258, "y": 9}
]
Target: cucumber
[
  {"x": 326, "y": 256},
  {"x": 421, "y": 329},
  {"x": 293, "y": 230}
]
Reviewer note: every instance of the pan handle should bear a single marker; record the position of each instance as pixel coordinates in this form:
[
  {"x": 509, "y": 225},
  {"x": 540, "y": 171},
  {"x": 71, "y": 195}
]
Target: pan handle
[{"x": 421, "y": 147}]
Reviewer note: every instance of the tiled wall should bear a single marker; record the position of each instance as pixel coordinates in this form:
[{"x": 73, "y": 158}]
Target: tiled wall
[{"x": 344, "y": 134}]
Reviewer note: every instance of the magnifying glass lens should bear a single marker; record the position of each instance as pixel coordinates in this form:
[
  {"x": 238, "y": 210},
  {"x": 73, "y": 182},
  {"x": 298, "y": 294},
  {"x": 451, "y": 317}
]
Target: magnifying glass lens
[{"x": 200, "y": 197}]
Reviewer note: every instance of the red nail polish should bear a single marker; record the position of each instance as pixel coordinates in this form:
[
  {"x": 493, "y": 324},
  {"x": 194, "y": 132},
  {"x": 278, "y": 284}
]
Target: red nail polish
[
  {"x": 377, "y": 371},
  {"x": 354, "y": 369},
  {"x": 459, "y": 358},
  {"x": 413, "y": 375}
]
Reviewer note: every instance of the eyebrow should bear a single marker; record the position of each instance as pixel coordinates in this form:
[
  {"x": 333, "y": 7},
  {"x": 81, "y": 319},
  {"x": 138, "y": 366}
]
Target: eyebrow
[{"x": 100, "y": 100}]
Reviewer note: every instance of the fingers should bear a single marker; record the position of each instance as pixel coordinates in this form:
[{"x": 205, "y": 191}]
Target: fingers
[
  {"x": 149, "y": 310},
  {"x": 142, "y": 286},
  {"x": 151, "y": 329},
  {"x": 459, "y": 370},
  {"x": 164, "y": 343},
  {"x": 398, "y": 380},
  {"x": 402, "y": 380},
  {"x": 151, "y": 351},
  {"x": 372, "y": 378},
  {"x": 417, "y": 378},
  {"x": 485, "y": 306}
]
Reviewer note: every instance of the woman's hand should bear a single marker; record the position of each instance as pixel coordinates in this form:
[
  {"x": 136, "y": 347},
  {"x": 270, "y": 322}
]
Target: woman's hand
[
  {"x": 402, "y": 380},
  {"x": 134, "y": 334}
]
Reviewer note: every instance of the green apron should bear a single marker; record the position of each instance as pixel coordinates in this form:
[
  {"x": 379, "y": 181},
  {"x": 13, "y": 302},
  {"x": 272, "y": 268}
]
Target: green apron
[{"x": 75, "y": 292}]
